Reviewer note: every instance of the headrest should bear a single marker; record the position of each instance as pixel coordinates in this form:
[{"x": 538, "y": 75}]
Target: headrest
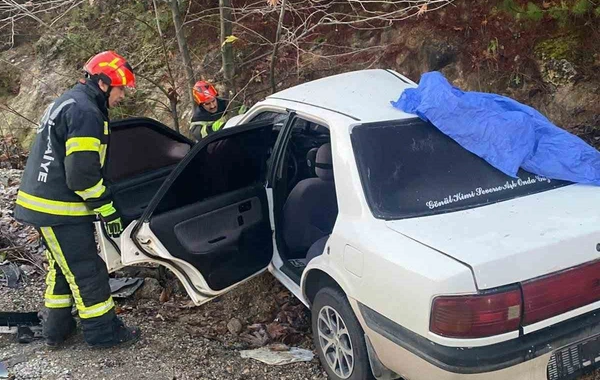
[
  {"x": 311, "y": 157},
  {"x": 324, "y": 163}
]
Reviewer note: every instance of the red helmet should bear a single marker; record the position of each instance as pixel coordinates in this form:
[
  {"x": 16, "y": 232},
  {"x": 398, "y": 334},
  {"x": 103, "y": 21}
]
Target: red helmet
[
  {"x": 111, "y": 68},
  {"x": 204, "y": 92}
]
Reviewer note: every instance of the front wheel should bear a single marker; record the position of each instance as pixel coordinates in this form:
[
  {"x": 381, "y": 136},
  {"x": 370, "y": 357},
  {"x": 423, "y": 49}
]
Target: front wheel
[{"x": 338, "y": 337}]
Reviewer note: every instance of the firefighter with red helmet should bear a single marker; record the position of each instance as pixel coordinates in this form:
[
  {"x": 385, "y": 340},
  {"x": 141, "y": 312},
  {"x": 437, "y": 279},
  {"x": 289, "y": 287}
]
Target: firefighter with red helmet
[
  {"x": 63, "y": 192},
  {"x": 209, "y": 116}
]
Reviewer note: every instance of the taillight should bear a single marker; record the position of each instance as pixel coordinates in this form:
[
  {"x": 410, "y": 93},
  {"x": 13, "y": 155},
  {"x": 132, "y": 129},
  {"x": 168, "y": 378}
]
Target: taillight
[
  {"x": 476, "y": 316},
  {"x": 559, "y": 293}
]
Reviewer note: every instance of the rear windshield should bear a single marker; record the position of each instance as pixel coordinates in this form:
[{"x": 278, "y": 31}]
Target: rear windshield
[{"x": 409, "y": 168}]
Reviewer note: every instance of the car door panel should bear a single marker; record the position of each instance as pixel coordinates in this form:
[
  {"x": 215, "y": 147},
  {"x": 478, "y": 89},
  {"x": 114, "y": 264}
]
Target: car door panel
[
  {"x": 142, "y": 145},
  {"x": 227, "y": 237},
  {"x": 212, "y": 212},
  {"x": 142, "y": 153},
  {"x": 131, "y": 196}
]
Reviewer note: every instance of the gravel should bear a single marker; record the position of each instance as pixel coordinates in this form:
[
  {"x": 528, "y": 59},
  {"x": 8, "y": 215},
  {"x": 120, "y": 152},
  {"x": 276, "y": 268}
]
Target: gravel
[{"x": 177, "y": 342}]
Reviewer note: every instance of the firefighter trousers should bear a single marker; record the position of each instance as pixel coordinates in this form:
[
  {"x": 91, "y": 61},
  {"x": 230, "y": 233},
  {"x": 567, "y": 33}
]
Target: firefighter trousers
[{"x": 78, "y": 275}]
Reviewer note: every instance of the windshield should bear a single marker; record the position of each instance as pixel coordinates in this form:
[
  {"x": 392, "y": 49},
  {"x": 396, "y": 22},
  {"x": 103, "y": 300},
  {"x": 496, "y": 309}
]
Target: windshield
[{"x": 409, "y": 168}]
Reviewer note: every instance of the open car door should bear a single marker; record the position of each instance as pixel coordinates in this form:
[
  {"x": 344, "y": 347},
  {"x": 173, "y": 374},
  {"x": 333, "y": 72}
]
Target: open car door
[
  {"x": 142, "y": 153},
  {"x": 209, "y": 222}
]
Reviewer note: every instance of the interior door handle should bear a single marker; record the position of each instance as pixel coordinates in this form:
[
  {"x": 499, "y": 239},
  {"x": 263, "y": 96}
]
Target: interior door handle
[{"x": 216, "y": 240}]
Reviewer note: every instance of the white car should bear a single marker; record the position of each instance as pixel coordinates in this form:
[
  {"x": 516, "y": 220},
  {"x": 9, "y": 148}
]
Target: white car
[{"x": 416, "y": 258}]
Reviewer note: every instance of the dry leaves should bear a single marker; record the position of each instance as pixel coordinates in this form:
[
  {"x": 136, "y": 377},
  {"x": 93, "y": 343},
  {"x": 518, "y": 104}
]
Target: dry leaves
[
  {"x": 12, "y": 156},
  {"x": 165, "y": 295},
  {"x": 20, "y": 243}
]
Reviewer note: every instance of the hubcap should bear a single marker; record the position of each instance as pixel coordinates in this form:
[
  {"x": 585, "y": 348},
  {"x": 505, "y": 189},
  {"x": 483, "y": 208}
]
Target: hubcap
[{"x": 335, "y": 342}]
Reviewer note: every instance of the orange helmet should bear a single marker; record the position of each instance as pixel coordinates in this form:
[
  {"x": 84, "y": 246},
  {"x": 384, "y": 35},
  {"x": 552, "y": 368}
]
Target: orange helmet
[
  {"x": 111, "y": 68},
  {"x": 204, "y": 92}
]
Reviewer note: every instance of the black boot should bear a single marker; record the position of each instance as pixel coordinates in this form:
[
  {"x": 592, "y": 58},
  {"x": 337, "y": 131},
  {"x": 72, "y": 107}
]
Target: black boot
[
  {"x": 57, "y": 326},
  {"x": 121, "y": 335}
]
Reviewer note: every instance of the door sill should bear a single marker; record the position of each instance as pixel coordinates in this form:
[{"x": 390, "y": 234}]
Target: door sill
[
  {"x": 282, "y": 276},
  {"x": 293, "y": 269}
]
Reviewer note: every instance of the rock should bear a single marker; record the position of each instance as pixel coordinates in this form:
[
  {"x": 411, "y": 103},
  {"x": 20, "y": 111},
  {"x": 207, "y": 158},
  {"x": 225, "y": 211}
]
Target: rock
[
  {"x": 438, "y": 54},
  {"x": 150, "y": 290},
  {"x": 559, "y": 72},
  {"x": 234, "y": 326},
  {"x": 136, "y": 271},
  {"x": 27, "y": 269}
]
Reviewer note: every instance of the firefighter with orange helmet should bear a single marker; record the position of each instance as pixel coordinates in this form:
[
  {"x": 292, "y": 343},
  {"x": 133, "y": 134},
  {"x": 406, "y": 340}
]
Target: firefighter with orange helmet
[
  {"x": 209, "y": 115},
  {"x": 63, "y": 192}
]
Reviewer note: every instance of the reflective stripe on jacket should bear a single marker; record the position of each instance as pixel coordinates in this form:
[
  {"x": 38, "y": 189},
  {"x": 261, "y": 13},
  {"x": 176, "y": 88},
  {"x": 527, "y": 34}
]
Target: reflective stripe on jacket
[{"x": 62, "y": 182}]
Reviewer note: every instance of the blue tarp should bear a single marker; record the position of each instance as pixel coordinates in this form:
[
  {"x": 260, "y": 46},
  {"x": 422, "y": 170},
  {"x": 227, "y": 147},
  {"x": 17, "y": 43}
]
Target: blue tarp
[{"x": 502, "y": 131}]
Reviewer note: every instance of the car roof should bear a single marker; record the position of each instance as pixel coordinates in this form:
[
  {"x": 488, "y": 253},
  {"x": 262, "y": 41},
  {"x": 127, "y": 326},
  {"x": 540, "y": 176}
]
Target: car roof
[{"x": 363, "y": 95}]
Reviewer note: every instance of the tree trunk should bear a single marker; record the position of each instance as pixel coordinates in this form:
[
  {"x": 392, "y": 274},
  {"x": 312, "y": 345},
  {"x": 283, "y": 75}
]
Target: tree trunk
[
  {"x": 275, "y": 46},
  {"x": 174, "y": 114},
  {"x": 183, "y": 47},
  {"x": 227, "y": 49},
  {"x": 172, "y": 93}
]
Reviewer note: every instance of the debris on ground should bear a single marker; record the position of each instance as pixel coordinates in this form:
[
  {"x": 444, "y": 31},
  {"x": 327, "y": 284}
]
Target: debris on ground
[
  {"x": 12, "y": 156},
  {"x": 234, "y": 326},
  {"x": 124, "y": 287},
  {"x": 19, "y": 244},
  {"x": 10, "y": 274},
  {"x": 3, "y": 371},
  {"x": 150, "y": 289},
  {"x": 278, "y": 356},
  {"x": 26, "y": 325}
]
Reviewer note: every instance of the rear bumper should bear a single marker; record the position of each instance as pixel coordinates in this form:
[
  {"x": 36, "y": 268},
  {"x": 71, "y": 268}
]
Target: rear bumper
[{"x": 524, "y": 357}]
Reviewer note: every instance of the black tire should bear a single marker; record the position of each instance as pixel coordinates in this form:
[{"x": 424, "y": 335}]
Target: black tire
[{"x": 331, "y": 298}]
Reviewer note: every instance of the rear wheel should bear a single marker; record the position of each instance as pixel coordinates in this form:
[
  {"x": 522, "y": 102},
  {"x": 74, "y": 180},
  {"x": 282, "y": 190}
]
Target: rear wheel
[{"x": 338, "y": 337}]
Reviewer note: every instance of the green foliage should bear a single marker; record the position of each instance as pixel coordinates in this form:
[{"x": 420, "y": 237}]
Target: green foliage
[
  {"x": 129, "y": 28},
  {"x": 130, "y": 105},
  {"x": 511, "y": 7},
  {"x": 534, "y": 12},
  {"x": 560, "y": 14},
  {"x": 582, "y": 7},
  {"x": 567, "y": 47},
  {"x": 493, "y": 47},
  {"x": 558, "y": 48},
  {"x": 561, "y": 11}
]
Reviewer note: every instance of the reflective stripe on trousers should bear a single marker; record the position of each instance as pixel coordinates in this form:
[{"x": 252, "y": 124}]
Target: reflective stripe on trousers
[{"x": 84, "y": 286}]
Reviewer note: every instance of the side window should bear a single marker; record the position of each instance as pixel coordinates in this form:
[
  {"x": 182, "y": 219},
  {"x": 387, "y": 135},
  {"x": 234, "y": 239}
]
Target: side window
[
  {"x": 306, "y": 136},
  {"x": 139, "y": 149},
  {"x": 272, "y": 116},
  {"x": 221, "y": 167}
]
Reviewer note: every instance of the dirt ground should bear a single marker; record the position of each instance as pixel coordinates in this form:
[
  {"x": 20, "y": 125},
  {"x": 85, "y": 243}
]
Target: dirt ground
[{"x": 177, "y": 342}]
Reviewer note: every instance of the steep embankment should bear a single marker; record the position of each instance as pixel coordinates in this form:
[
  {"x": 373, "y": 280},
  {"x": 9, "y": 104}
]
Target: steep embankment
[{"x": 544, "y": 55}]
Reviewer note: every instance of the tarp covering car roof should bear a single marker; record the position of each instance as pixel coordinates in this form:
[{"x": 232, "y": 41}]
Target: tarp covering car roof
[{"x": 502, "y": 131}]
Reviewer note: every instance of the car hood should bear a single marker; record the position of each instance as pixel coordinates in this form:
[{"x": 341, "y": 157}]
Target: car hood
[{"x": 515, "y": 240}]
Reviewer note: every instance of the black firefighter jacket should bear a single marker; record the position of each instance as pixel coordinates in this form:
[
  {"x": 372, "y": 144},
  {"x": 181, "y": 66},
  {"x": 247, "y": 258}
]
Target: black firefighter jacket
[{"x": 62, "y": 182}]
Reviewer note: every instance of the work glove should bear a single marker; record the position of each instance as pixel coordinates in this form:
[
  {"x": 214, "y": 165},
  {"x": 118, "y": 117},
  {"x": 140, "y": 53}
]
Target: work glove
[{"x": 111, "y": 219}]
